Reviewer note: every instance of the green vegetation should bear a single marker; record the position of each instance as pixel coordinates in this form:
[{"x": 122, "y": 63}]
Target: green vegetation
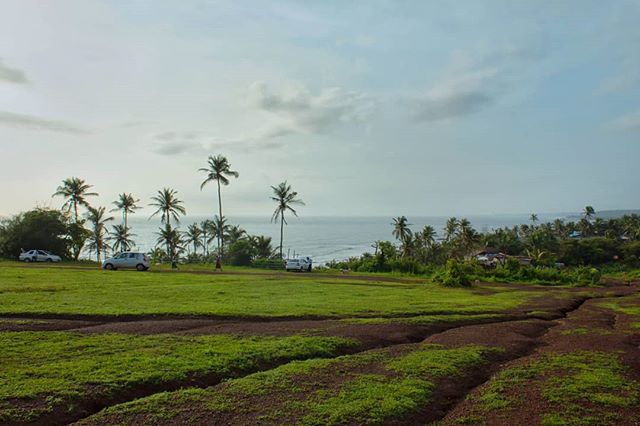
[
  {"x": 427, "y": 319},
  {"x": 374, "y": 387},
  {"x": 585, "y": 244},
  {"x": 572, "y": 382},
  {"x": 61, "y": 367},
  {"x": 41, "y": 290}
]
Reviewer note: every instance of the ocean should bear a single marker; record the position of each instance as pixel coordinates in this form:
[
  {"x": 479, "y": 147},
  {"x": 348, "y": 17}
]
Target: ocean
[{"x": 328, "y": 238}]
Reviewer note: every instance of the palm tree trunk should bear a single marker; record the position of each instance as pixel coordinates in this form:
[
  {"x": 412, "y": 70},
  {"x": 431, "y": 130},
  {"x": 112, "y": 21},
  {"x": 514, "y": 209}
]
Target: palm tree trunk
[
  {"x": 220, "y": 240},
  {"x": 281, "y": 231},
  {"x": 75, "y": 208}
]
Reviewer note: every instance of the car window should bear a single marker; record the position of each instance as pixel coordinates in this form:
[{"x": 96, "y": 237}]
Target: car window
[
  {"x": 42, "y": 253},
  {"x": 132, "y": 255},
  {"x": 122, "y": 256}
]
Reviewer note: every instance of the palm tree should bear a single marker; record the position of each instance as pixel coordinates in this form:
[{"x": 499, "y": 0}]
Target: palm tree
[
  {"x": 121, "y": 238},
  {"x": 206, "y": 230},
  {"x": 450, "y": 228},
  {"x": 219, "y": 227},
  {"x": 402, "y": 232},
  {"x": 74, "y": 190},
  {"x": 169, "y": 205},
  {"x": 401, "y": 228},
  {"x": 588, "y": 212},
  {"x": 261, "y": 246},
  {"x": 468, "y": 236},
  {"x": 285, "y": 198},
  {"x": 235, "y": 233},
  {"x": 218, "y": 170},
  {"x": 533, "y": 218},
  {"x": 194, "y": 236},
  {"x": 126, "y": 203},
  {"x": 97, "y": 239},
  {"x": 172, "y": 240}
]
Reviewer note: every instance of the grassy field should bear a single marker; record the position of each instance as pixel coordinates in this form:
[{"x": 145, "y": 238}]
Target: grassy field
[
  {"x": 68, "y": 291},
  {"x": 59, "y": 368},
  {"x": 257, "y": 347}
]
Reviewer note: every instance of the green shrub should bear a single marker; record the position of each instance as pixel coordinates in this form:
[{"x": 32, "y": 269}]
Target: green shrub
[{"x": 454, "y": 275}]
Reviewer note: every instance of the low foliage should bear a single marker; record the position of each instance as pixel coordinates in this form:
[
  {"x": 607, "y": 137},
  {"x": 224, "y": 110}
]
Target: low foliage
[{"x": 63, "y": 367}]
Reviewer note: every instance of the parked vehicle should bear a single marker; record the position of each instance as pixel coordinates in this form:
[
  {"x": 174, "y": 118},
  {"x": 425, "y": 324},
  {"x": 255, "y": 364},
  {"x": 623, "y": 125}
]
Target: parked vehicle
[
  {"x": 301, "y": 264},
  {"x": 39, "y": 256},
  {"x": 139, "y": 261}
]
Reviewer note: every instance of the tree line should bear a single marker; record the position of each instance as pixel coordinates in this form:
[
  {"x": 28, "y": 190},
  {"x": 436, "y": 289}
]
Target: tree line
[
  {"x": 69, "y": 231},
  {"x": 590, "y": 240}
]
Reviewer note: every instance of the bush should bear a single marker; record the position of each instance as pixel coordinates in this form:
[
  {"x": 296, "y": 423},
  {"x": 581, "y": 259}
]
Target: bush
[
  {"x": 240, "y": 253},
  {"x": 42, "y": 229},
  {"x": 589, "y": 251},
  {"x": 454, "y": 275},
  {"x": 265, "y": 263}
]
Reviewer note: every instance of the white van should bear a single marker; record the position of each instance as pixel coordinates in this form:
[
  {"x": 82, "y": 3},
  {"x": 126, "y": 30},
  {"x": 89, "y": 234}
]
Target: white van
[{"x": 300, "y": 265}]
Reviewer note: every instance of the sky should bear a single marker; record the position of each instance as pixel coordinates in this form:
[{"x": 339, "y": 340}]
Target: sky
[{"x": 365, "y": 107}]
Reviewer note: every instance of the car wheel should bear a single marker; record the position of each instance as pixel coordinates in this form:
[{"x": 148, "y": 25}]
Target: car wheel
[
  {"x": 140, "y": 267},
  {"x": 27, "y": 260},
  {"x": 108, "y": 267},
  {"x": 49, "y": 260}
]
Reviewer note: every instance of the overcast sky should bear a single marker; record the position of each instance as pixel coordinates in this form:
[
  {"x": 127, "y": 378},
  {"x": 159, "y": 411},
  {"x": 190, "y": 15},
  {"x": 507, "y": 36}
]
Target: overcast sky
[{"x": 366, "y": 108}]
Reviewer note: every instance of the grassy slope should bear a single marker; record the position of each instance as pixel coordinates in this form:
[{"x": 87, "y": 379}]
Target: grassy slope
[
  {"x": 377, "y": 386},
  {"x": 61, "y": 367},
  {"x": 45, "y": 290}
]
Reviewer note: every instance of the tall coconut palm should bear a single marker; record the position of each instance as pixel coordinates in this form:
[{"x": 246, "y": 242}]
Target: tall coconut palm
[
  {"x": 218, "y": 169},
  {"x": 401, "y": 228},
  {"x": 121, "y": 238},
  {"x": 219, "y": 227},
  {"x": 75, "y": 191},
  {"x": 171, "y": 238},
  {"x": 450, "y": 229},
  {"x": 168, "y": 205},
  {"x": 285, "y": 197},
  {"x": 97, "y": 240},
  {"x": 126, "y": 203},
  {"x": 194, "y": 236},
  {"x": 588, "y": 212},
  {"x": 533, "y": 218},
  {"x": 206, "y": 230},
  {"x": 402, "y": 233},
  {"x": 235, "y": 233},
  {"x": 467, "y": 235},
  {"x": 261, "y": 246}
]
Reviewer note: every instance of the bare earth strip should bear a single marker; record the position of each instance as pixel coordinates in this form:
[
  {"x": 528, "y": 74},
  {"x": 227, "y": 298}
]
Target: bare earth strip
[{"x": 343, "y": 390}]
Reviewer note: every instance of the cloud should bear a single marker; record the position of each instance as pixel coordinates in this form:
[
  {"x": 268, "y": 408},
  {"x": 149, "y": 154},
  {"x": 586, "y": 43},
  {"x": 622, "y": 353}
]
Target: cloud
[
  {"x": 12, "y": 75},
  {"x": 297, "y": 110},
  {"x": 628, "y": 122},
  {"x": 196, "y": 143},
  {"x": 471, "y": 83},
  {"x": 452, "y": 105},
  {"x": 36, "y": 123}
]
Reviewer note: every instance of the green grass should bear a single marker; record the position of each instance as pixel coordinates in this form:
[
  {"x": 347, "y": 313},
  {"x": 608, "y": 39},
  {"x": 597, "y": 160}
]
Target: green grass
[
  {"x": 371, "y": 388},
  {"x": 59, "y": 290},
  {"x": 62, "y": 366},
  {"x": 568, "y": 381},
  {"x": 426, "y": 319}
]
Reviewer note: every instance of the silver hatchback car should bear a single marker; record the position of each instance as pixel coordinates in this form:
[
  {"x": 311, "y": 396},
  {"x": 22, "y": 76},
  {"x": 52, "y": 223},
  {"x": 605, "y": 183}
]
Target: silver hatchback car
[{"x": 139, "y": 261}]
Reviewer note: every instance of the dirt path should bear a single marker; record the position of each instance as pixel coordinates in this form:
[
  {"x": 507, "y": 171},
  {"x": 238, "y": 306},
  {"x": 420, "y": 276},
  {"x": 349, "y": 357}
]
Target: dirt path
[
  {"x": 517, "y": 339},
  {"x": 586, "y": 372},
  {"x": 521, "y": 334}
]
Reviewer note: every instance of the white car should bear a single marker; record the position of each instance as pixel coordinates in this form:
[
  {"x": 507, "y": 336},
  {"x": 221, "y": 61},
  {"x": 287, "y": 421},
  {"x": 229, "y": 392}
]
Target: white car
[
  {"x": 38, "y": 256},
  {"x": 139, "y": 261},
  {"x": 302, "y": 264}
]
